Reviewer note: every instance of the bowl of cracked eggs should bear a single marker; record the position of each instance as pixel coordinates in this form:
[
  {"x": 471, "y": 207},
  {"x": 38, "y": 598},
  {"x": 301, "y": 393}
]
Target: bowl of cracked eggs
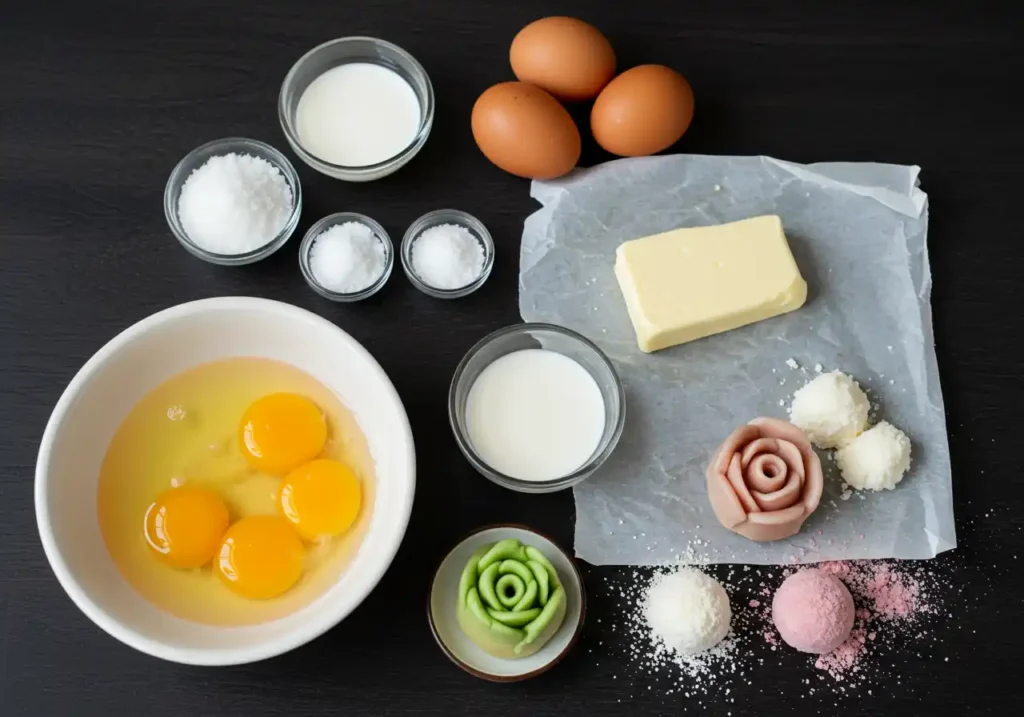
[{"x": 224, "y": 481}]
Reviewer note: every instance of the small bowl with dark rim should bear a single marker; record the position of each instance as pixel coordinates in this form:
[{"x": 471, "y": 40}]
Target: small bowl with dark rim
[{"x": 457, "y": 646}]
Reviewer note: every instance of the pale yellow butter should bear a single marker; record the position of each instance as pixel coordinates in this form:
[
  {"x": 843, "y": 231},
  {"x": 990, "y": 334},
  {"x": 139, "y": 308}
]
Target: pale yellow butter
[{"x": 690, "y": 283}]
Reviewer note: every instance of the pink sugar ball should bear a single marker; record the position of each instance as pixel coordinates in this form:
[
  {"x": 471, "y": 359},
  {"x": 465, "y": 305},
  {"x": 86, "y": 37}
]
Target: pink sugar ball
[{"x": 813, "y": 611}]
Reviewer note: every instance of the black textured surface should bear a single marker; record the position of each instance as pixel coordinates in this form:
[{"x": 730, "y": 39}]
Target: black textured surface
[{"x": 101, "y": 99}]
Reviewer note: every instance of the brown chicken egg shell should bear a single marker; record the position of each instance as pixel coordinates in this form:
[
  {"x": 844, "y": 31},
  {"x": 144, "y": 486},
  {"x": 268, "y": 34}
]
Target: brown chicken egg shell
[
  {"x": 564, "y": 56},
  {"x": 525, "y": 131},
  {"x": 642, "y": 111}
]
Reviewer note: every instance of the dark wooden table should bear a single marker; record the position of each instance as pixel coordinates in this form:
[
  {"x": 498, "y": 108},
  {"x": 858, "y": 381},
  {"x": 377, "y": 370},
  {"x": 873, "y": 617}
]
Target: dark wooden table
[{"x": 99, "y": 101}]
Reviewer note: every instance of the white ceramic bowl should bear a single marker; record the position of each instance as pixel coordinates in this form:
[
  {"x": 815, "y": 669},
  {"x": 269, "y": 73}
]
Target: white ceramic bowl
[{"x": 103, "y": 392}]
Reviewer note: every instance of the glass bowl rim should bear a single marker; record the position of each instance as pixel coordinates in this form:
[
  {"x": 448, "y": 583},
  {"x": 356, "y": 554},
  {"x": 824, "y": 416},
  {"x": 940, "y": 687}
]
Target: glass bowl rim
[
  {"x": 335, "y": 219},
  {"x": 455, "y": 216},
  {"x": 556, "y": 484},
  {"x": 176, "y": 180},
  {"x": 426, "y": 108}
]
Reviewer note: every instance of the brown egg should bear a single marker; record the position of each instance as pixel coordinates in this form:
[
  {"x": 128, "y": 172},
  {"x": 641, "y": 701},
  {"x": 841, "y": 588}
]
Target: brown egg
[
  {"x": 642, "y": 111},
  {"x": 525, "y": 131},
  {"x": 565, "y": 56}
]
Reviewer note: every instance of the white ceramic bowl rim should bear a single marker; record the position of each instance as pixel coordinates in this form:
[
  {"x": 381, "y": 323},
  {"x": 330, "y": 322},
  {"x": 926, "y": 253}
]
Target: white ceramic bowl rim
[{"x": 322, "y": 614}]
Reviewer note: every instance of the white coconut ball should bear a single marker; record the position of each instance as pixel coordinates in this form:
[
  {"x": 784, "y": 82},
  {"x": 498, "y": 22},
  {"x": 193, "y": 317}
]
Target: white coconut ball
[
  {"x": 832, "y": 410},
  {"x": 877, "y": 459},
  {"x": 687, "y": 611}
]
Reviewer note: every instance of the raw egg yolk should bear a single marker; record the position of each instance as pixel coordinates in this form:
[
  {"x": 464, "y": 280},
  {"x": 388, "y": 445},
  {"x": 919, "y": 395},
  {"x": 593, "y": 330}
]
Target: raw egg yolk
[
  {"x": 280, "y": 432},
  {"x": 321, "y": 498},
  {"x": 261, "y": 557},
  {"x": 185, "y": 525}
]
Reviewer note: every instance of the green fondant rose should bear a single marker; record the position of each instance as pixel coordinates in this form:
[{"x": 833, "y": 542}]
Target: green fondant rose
[{"x": 510, "y": 599}]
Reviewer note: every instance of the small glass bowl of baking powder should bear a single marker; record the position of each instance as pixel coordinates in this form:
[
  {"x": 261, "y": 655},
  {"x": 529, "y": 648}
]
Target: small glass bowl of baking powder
[
  {"x": 455, "y": 221},
  {"x": 238, "y": 146},
  {"x": 323, "y": 277}
]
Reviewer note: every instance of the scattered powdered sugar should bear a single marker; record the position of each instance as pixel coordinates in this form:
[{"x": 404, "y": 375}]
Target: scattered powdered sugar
[
  {"x": 689, "y": 673},
  {"x": 671, "y": 671},
  {"x": 846, "y": 658},
  {"x": 899, "y": 605},
  {"x": 891, "y": 592}
]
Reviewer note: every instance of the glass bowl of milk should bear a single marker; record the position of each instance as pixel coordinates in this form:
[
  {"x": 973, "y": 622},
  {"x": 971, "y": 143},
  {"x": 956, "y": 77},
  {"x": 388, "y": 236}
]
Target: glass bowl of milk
[
  {"x": 536, "y": 407},
  {"x": 356, "y": 108}
]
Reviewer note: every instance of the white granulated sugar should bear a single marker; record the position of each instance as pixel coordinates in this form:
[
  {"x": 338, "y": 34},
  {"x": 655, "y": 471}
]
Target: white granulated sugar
[
  {"x": 791, "y": 362},
  {"x": 347, "y": 258},
  {"x": 832, "y": 409},
  {"x": 234, "y": 204},
  {"x": 447, "y": 256},
  {"x": 877, "y": 459}
]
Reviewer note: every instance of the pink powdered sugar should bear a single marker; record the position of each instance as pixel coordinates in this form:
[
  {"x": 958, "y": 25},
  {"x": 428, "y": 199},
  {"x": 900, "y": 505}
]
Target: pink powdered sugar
[
  {"x": 885, "y": 593},
  {"x": 844, "y": 658},
  {"x": 891, "y": 593}
]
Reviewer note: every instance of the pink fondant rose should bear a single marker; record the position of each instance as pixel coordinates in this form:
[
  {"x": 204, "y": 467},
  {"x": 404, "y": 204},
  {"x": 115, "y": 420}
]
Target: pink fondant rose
[{"x": 764, "y": 480}]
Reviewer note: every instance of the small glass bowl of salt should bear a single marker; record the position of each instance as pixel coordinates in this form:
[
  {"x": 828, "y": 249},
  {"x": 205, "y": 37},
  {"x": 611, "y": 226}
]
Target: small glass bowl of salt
[
  {"x": 447, "y": 253},
  {"x": 346, "y": 257}
]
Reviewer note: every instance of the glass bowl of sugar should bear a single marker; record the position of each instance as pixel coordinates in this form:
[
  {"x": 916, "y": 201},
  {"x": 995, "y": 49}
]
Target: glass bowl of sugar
[
  {"x": 356, "y": 108},
  {"x": 346, "y": 257},
  {"x": 447, "y": 253},
  {"x": 536, "y": 407},
  {"x": 233, "y": 201}
]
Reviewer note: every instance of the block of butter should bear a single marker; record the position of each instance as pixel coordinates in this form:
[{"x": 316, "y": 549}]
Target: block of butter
[{"x": 690, "y": 283}]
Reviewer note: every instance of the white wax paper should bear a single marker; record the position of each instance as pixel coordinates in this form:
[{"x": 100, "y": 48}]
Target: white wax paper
[{"x": 858, "y": 232}]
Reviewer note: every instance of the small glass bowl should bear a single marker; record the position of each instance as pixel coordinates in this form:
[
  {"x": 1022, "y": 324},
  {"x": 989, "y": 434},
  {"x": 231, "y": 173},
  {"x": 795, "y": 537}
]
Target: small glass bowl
[
  {"x": 333, "y": 220},
  {"x": 436, "y": 218},
  {"x": 342, "y": 51},
  {"x": 552, "y": 338},
  {"x": 197, "y": 158}
]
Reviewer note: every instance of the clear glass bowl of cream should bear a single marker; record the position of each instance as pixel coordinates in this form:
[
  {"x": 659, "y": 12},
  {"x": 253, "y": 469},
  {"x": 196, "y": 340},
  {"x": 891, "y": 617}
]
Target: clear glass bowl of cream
[
  {"x": 536, "y": 407},
  {"x": 356, "y": 108}
]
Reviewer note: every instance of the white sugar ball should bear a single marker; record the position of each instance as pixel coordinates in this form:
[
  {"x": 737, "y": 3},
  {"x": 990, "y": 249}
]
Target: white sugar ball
[
  {"x": 832, "y": 410},
  {"x": 876, "y": 459},
  {"x": 687, "y": 611}
]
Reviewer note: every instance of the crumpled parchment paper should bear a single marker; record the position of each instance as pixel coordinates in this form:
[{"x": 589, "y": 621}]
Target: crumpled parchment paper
[{"x": 858, "y": 231}]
